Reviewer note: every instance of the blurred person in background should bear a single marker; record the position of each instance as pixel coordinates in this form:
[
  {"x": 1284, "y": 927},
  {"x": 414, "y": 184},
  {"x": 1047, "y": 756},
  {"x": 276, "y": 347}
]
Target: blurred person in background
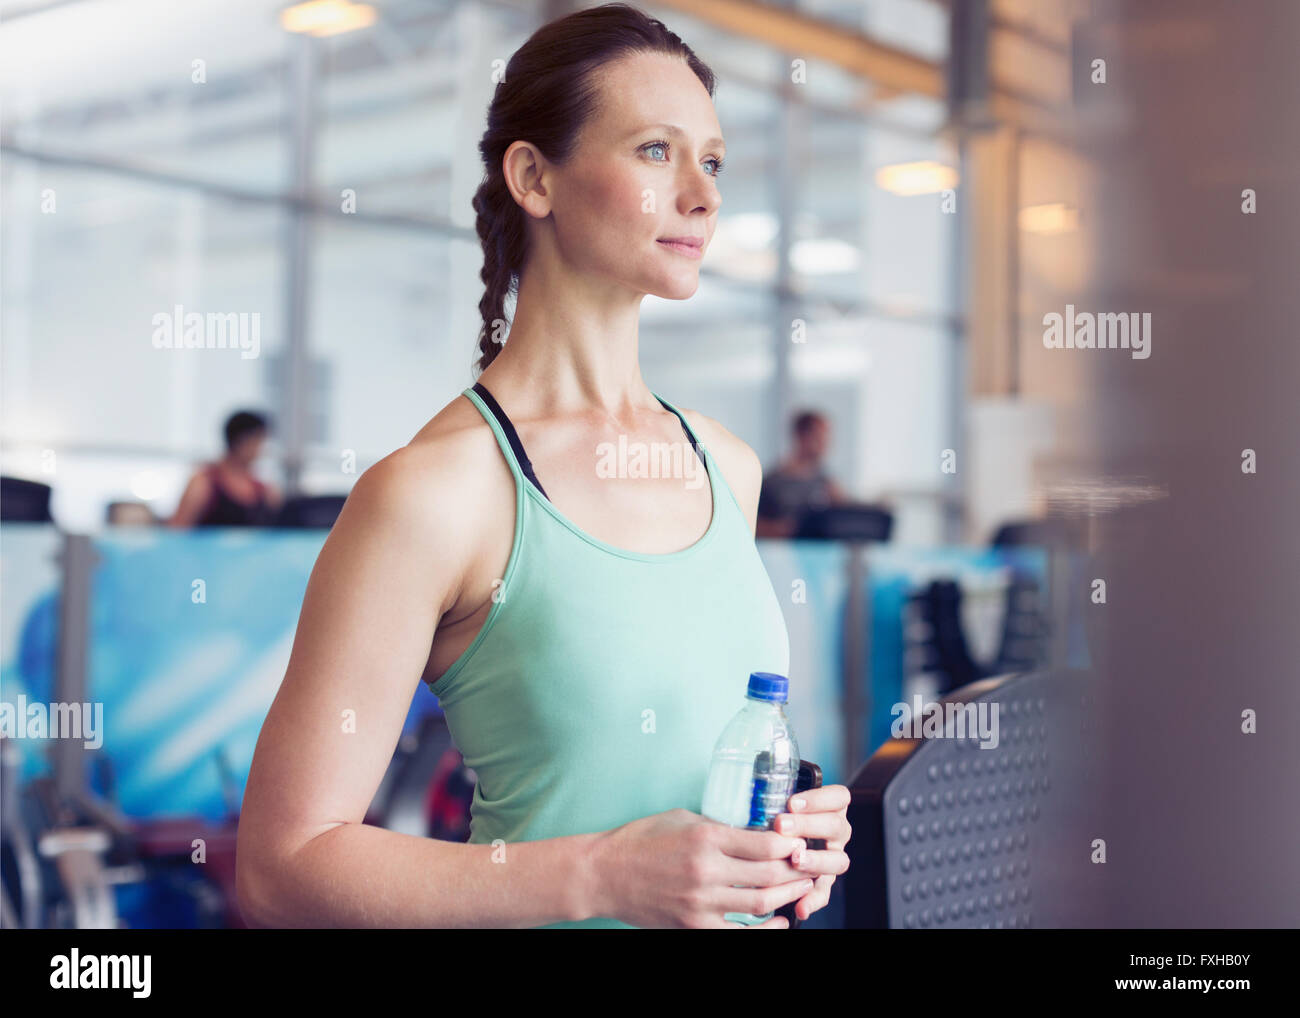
[
  {"x": 800, "y": 483},
  {"x": 226, "y": 493}
]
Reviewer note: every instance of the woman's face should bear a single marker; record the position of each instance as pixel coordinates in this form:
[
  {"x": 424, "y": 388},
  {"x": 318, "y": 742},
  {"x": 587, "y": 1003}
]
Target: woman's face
[
  {"x": 633, "y": 182},
  {"x": 250, "y": 447}
]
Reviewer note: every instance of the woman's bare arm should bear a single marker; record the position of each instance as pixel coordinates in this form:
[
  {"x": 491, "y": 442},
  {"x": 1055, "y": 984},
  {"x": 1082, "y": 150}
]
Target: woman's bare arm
[
  {"x": 390, "y": 568},
  {"x": 196, "y": 495},
  {"x": 274, "y": 497}
]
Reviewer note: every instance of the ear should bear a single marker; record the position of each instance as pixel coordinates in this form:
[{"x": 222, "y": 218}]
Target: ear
[{"x": 526, "y": 173}]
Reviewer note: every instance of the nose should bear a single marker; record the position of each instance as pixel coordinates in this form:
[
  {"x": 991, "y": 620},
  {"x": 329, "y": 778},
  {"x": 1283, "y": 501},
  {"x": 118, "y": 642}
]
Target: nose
[{"x": 698, "y": 190}]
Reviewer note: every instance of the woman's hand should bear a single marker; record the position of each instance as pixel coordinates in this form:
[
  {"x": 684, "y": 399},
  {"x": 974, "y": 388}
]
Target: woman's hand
[
  {"x": 818, "y": 813},
  {"x": 681, "y": 870}
]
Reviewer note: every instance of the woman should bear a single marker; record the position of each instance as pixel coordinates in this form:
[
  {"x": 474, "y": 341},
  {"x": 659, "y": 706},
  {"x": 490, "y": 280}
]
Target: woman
[
  {"x": 226, "y": 493},
  {"x": 588, "y": 636}
]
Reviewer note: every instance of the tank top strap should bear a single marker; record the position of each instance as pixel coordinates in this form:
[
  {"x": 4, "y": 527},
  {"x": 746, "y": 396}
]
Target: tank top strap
[
  {"x": 513, "y": 448},
  {"x": 696, "y": 444},
  {"x": 505, "y": 433}
]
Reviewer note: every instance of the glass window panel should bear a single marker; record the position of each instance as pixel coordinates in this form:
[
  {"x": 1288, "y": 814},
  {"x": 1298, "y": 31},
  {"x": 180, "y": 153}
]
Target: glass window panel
[
  {"x": 880, "y": 384},
  {"x": 90, "y": 404},
  {"x": 857, "y": 241},
  {"x": 916, "y": 26},
  {"x": 393, "y": 321},
  {"x": 149, "y": 84},
  {"x": 92, "y": 282},
  {"x": 402, "y": 106},
  {"x": 393, "y": 289},
  {"x": 744, "y": 241}
]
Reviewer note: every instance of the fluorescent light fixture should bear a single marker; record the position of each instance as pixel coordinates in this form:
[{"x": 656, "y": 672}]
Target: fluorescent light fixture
[
  {"x": 326, "y": 17},
  {"x": 1056, "y": 217},
  {"x": 823, "y": 257},
  {"x": 924, "y": 177},
  {"x": 838, "y": 363}
]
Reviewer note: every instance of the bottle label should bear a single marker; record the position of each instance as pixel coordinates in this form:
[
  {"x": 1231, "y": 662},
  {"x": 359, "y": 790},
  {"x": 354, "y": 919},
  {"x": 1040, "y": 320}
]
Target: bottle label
[{"x": 770, "y": 790}]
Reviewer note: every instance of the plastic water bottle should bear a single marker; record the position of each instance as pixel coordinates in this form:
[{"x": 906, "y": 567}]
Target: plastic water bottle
[{"x": 755, "y": 765}]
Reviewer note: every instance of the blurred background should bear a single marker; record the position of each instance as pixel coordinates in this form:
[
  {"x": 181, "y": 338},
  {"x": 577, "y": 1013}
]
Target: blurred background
[
  {"x": 911, "y": 186},
  {"x": 131, "y": 187}
]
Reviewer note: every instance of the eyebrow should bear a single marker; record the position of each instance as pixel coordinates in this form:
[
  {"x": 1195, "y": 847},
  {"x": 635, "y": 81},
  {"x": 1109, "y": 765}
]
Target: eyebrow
[{"x": 676, "y": 131}]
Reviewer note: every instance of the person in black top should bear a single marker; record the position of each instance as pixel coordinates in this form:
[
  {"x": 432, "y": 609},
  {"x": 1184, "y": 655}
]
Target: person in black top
[
  {"x": 799, "y": 483},
  {"x": 225, "y": 493}
]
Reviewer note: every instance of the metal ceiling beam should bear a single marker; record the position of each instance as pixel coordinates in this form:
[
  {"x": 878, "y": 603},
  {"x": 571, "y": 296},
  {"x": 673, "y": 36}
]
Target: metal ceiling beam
[
  {"x": 806, "y": 36},
  {"x": 884, "y": 65}
]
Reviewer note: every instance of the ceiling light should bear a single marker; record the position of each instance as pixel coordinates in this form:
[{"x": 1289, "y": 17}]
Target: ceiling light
[
  {"x": 326, "y": 17},
  {"x": 924, "y": 177}
]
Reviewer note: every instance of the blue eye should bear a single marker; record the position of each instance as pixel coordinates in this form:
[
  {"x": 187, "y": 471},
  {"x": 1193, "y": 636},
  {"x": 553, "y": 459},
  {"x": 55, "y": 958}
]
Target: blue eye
[{"x": 717, "y": 163}]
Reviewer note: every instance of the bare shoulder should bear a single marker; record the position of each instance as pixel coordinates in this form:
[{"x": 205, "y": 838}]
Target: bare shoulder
[
  {"x": 443, "y": 465},
  {"x": 740, "y": 464},
  {"x": 431, "y": 491},
  {"x": 454, "y": 437},
  {"x": 201, "y": 479}
]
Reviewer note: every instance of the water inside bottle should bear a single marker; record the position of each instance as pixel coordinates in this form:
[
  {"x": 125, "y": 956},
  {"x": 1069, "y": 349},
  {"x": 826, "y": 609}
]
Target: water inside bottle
[
  {"x": 748, "y": 791},
  {"x": 755, "y": 765}
]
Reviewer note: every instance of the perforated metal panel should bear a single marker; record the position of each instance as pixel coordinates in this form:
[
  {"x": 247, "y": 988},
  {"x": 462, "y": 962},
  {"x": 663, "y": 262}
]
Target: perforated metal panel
[
  {"x": 959, "y": 823},
  {"x": 954, "y": 835}
]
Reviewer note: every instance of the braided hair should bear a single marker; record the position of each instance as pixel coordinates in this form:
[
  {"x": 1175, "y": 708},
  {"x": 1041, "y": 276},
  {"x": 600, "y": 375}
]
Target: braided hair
[{"x": 546, "y": 96}]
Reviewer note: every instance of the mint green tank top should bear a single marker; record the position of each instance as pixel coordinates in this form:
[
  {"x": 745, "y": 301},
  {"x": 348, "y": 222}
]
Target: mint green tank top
[{"x": 601, "y": 679}]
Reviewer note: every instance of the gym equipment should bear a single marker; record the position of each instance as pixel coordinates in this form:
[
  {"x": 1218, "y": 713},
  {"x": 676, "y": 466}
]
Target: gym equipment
[
  {"x": 937, "y": 640},
  {"x": 951, "y": 834},
  {"x": 24, "y": 501}
]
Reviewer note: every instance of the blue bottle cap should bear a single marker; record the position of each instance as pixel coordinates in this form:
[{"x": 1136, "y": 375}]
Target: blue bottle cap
[{"x": 768, "y": 686}]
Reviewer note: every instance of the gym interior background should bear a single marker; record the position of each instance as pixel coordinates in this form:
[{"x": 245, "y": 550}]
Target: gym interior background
[{"x": 911, "y": 187}]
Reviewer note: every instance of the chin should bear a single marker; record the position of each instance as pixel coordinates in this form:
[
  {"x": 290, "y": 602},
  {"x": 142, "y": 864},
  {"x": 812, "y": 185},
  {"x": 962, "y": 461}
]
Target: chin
[{"x": 676, "y": 289}]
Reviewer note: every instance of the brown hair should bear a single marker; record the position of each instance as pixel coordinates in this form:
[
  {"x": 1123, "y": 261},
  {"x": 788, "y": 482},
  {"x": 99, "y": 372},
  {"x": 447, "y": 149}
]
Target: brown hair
[
  {"x": 806, "y": 420},
  {"x": 545, "y": 98}
]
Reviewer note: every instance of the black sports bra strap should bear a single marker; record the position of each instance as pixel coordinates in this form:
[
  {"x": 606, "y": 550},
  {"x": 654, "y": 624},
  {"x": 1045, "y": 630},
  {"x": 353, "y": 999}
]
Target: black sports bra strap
[
  {"x": 525, "y": 464},
  {"x": 694, "y": 442}
]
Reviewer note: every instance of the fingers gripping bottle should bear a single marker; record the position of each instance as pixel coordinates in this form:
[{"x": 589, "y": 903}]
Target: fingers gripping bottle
[{"x": 755, "y": 765}]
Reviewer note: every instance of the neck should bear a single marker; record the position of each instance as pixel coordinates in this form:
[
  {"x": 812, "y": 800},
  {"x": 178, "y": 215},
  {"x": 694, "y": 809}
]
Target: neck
[{"x": 573, "y": 348}]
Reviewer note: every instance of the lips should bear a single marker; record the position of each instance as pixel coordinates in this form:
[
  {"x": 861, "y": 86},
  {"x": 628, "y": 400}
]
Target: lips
[{"x": 691, "y": 247}]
